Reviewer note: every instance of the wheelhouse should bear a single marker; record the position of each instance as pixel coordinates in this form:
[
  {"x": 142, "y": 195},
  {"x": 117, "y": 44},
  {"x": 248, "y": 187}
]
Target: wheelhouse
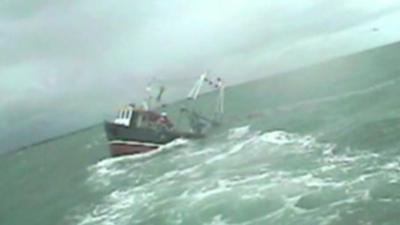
[{"x": 139, "y": 118}]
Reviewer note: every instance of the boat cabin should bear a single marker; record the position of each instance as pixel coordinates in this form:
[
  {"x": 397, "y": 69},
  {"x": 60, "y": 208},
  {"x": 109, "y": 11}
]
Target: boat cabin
[{"x": 130, "y": 116}]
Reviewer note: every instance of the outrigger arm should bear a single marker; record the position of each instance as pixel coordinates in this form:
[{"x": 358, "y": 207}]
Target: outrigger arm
[
  {"x": 194, "y": 93},
  {"x": 198, "y": 122}
]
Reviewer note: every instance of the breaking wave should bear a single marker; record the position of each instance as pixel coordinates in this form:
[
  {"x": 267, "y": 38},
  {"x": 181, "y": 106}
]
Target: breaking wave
[{"x": 247, "y": 178}]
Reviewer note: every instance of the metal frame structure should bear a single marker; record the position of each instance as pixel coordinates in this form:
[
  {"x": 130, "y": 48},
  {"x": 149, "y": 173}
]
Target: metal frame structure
[{"x": 216, "y": 84}]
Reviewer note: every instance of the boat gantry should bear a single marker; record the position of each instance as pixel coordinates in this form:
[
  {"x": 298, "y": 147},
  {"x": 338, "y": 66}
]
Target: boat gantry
[{"x": 147, "y": 127}]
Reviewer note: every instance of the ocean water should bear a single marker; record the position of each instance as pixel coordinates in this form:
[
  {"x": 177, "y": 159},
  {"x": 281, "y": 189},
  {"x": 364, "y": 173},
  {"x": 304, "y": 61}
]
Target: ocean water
[{"x": 319, "y": 145}]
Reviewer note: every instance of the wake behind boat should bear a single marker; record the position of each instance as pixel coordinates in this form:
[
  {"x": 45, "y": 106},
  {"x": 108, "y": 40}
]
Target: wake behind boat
[{"x": 144, "y": 128}]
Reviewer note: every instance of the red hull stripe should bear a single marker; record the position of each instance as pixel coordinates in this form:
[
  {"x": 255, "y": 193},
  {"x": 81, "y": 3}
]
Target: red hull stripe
[
  {"x": 123, "y": 149},
  {"x": 135, "y": 143}
]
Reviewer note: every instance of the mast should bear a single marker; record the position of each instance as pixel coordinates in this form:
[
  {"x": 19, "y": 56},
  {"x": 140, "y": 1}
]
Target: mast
[
  {"x": 153, "y": 100},
  {"x": 200, "y": 122}
]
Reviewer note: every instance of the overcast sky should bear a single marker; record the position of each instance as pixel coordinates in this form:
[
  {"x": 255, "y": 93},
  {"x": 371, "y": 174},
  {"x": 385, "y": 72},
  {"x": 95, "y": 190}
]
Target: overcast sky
[{"x": 83, "y": 58}]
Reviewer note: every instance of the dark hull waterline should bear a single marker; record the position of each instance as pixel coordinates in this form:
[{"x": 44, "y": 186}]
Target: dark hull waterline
[
  {"x": 130, "y": 148},
  {"x": 132, "y": 140}
]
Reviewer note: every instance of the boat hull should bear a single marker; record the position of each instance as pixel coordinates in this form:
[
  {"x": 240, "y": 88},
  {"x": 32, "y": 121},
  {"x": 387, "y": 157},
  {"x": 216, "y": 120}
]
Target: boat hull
[
  {"x": 125, "y": 140},
  {"x": 128, "y": 140},
  {"x": 130, "y": 148}
]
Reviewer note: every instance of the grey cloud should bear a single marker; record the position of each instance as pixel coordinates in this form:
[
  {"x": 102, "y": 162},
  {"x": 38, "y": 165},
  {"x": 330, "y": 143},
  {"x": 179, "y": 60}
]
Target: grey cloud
[{"x": 85, "y": 58}]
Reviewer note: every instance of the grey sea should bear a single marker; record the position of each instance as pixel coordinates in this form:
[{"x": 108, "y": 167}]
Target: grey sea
[{"x": 318, "y": 145}]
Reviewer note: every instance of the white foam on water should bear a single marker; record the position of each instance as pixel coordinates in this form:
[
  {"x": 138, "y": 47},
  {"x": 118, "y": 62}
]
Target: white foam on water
[
  {"x": 349, "y": 159},
  {"x": 391, "y": 166},
  {"x": 116, "y": 208},
  {"x": 206, "y": 192},
  {"x": 216, "y": 177},
  {"x": 252, "y": 196},
  {"x": 330, "y": 219},
  {"x": 341, "y": 159},
  {"x": 103, "y": 171},
  {"x": 327, "y": 168},
  {"x": 238, "y": 132},
  {"x": 302, "y": 143},
  {"x": 362, "y": 178},
  {"x": 217, "y": 220},
  {"x": 346, "y": 201},
  {"x": 250, "y": 144},
  {"x": 188, "y": 171},
  {"x": 289, "y": 206},
  {"x": 109, "y": 162},
  {"x": 223, "y": 155},
  {"x": 278, "y": 138},
  {"x": 251, "y": 179},
  {"x": 204, "y": 151},
  {"x": 176, "y": 143}
]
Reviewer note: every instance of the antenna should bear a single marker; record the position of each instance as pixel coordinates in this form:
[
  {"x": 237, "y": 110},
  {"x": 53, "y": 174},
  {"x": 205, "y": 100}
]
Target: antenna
[{"x": 152, "y": 97}]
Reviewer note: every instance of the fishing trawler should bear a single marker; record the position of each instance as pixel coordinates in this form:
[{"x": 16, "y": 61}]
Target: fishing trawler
[{"x": 147, "y": 127}]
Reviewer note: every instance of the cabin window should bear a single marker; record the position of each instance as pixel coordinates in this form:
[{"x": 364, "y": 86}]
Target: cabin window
[
  {"x": 133, "y": 118},
  {"x": 124, "y": 117},
  {"x": 125, "y": 114},
  {"x": 139, "y": 120},
  {"x": 129, "y": 114}
]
